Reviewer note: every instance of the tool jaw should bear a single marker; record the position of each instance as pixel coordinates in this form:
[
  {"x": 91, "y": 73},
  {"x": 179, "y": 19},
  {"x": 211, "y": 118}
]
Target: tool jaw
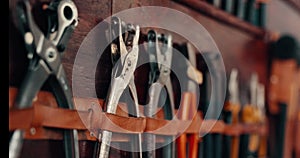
[{"x": 233, "y": 87}]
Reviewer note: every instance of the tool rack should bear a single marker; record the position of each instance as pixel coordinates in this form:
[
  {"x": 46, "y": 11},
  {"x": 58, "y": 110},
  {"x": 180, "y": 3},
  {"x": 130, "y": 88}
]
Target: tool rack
[{"x": 44, "y": 121}]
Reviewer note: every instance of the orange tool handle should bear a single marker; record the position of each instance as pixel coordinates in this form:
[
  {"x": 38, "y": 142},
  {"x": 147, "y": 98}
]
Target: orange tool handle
[
  {"x": 193, "y": 146},
  {"x": 188, "y": 110},
  {"x": 181, "y": 146}
]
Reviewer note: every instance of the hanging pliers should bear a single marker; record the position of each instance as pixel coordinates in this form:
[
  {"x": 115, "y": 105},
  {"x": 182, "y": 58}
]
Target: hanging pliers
[
  {"x": 122, "y": 76},
  {"x": 159, "y": 77},
  {"x": 192, "y": 78},
  {"x": 44, "y": 53}
]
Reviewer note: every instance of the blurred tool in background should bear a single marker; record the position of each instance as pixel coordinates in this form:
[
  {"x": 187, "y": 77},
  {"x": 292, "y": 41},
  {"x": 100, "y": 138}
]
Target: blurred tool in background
[
  {"x": 187, "y": 146},
  {"x": 45, "y": 51},
  {"x": 160, "y": 55},
  {"x": 251, "y": 145},
  {"x": 231, "y": 115},
  {"x": 239, "y": 8},
  {"x": 251, "y": 11},
  {"x": 248, "y": 117},
  {"x": 215, "y": 83},
  {"x": 283, "y": 95},
  {"x": 227, "y": 5}
]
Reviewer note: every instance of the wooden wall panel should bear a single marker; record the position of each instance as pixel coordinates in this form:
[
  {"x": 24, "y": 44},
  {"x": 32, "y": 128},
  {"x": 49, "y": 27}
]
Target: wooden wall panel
[{"x": 239, "y": 49}]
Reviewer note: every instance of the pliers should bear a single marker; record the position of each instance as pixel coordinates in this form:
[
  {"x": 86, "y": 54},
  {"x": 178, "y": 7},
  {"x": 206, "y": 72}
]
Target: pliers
[
  {"x": 192, "y": 78},
  {"x": 159, "y": 77},
  {"x": 44, "y": 53},
  {"x": 231, "y": 115},
  {"x": 122, "y": 76}
]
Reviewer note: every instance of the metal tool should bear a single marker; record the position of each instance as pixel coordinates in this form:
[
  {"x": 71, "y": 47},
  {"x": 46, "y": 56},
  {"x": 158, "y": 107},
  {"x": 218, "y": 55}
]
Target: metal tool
[
  {"x": 254, "y": 138},
  {"x": 193, "y": 77},
  {"x": 212, "y": 143},
  {"x": 128, "y": 33},
  {"x": 249, "y": 143},
  {"x": 231, "y": 115},
  {"x": 137, "y": 141},
  {"x": 150, "y": 139},
  {"x": 122, "y": 76},
  {"x": 239, "y": 8},
  {"x": 262, "y": 151},
  {"x": 44, "y": 53},
  {"x": 282, "y": 95},
  {"x": 159, "y": 77}
]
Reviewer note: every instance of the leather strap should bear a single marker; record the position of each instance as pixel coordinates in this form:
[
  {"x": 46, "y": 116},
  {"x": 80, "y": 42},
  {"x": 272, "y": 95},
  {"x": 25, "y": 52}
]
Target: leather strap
[{"x": 44, "y": 118}]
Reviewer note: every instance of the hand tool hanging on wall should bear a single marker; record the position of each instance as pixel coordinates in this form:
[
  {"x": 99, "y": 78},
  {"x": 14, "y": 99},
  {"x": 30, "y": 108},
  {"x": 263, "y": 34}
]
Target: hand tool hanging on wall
[
  {"x": 231, "y": 115},
  {"x": 159, "y": 77},
  {"x": 227, "y": 5},
  {"x": 128, "y": 33},
  {"x": 122, "y": 76},
  {"x": 207, "y": 149},
  {"x": 134, "y": 111},
  {"x": 282, "y": 95},
  {"x": 254, "y": 139},
  {"x": 44, "y": 53},
  {"x": 150, "y": 139},
  {"x": 250, "y": 142},
  {"x": 212, "y": 143},
  {"x": 216, "y": 3},
  {"x": 192, "y": 78},
  {"x": 239, "y": 8},
  {"x": 262, "y": 13},
  {"x": 250, "y": 11},
  {"x": 262, "y": 150}
]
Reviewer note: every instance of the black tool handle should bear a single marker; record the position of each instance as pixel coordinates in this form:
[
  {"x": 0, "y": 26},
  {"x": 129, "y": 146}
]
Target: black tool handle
[
  {"x": 281, "y": 128},
  {"x": 227, "y": 117},
  {"x": 168, "y": 150}
]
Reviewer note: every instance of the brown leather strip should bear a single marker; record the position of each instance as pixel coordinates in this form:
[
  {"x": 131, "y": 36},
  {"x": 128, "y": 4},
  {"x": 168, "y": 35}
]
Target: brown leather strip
[
  {"x": 72, "y": 119},
  {"x": 38, "y": 133},
  {"x": 162, "y": 127},
  {"x": 233, "y": 130},
  {"x": 218, "y": 127},
  {"x": 119, "y": 124},
  {"x": 23, "y": 121},
  {"x": 43, "y": 97},
  {"x": 255, "y": 128},
  {"x": 12, "y": 96},
  {"x": 69, "y": 119},
  {"x": 61, "y": 118},
  {"x": 238, "y": 129},
  {"x": 195, "y": 124},
  {"x": 90, "y": 117}
]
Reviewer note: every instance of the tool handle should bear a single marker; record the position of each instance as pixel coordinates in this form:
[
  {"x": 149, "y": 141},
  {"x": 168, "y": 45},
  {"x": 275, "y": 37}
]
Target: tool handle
[
  {"x": 15, "y": 144},
  {"x": 32, "y": 83},
  {"x": 183, "y": 115},
  {"x": 235, "y": 142},
  {"x": 169, "y": 112},
  {"x": 181, "y": 146},
  {"x": 281, "y": 127},
  {"x": 193, "y": 146},
  {"x": 105, "y": 144},
  {"x": 227, "y": 117},
  {"x": 243, "y": 149}
]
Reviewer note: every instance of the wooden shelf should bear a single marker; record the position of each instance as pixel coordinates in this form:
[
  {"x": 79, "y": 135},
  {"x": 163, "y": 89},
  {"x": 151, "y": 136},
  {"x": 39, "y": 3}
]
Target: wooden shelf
[{"x": 224, "y": 17}]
